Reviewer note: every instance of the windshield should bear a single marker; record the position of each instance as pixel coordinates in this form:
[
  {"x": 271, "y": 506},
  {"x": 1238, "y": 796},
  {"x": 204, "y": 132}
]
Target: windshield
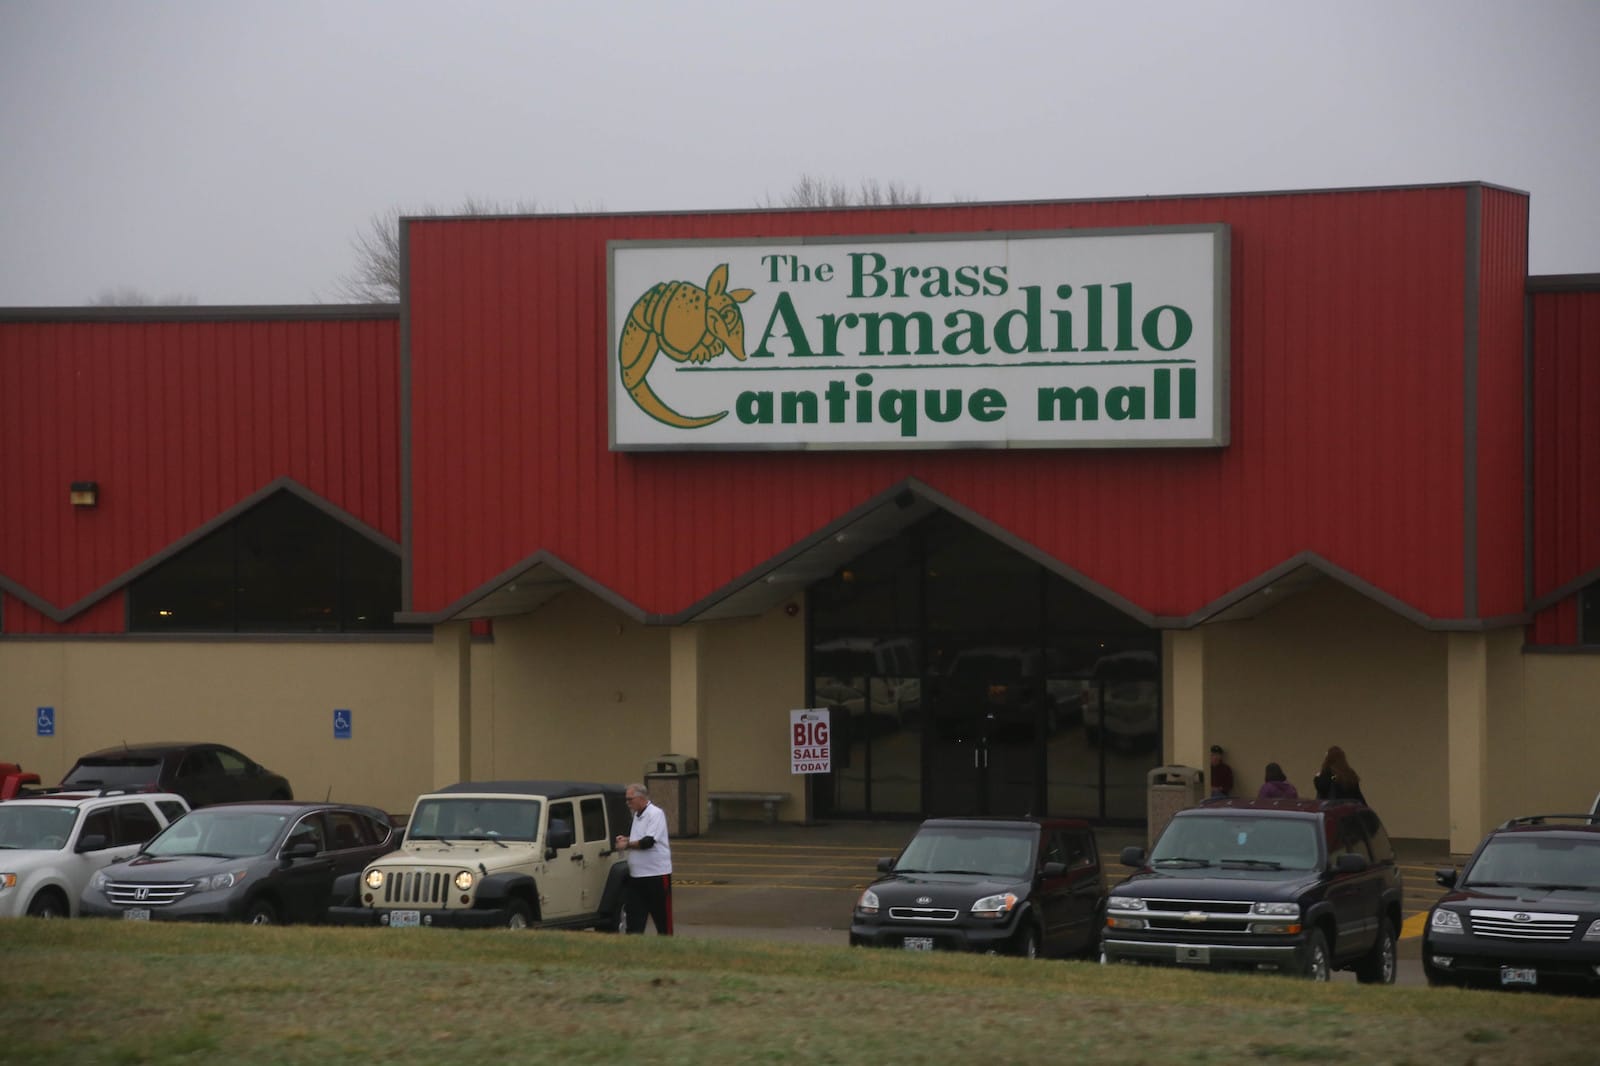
[
  {"x": 1512, "y": 861},
  {"x": 112, "y": 772},
  {"x": 1238, "y": 841},
  {"x": 223, "y": 834},
  {"x": 35, "y": 827},
  {"x": 467, "y": 818},
  {"x": 969, "y": 851}
]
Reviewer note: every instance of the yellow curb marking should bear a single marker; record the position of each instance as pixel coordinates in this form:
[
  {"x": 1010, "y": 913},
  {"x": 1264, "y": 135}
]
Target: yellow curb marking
[{"x": 1413, "y": 926}]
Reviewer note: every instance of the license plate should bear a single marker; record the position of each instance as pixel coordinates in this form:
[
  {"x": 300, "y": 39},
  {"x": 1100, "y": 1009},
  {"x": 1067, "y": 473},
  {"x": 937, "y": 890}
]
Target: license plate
[
  {"x": 919, "y": 943},
  {"x": 137, "y": 914},
  {"x": 404, "y": 919},
  {"x": 1194, "y": 956},
  {"x": 1512, "y": 975}
]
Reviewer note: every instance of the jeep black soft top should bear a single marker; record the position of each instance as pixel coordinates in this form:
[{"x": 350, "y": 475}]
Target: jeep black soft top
[{"x": 616, "y": 796}]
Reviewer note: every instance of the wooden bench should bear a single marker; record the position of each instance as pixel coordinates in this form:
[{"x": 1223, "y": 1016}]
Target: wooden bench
[{"x": 768, "y": 800}]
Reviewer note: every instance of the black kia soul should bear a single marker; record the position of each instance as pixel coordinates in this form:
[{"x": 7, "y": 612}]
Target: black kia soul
[
  {"x": 1300, "y": 886},
  {"x": 1023, "y": 886}
]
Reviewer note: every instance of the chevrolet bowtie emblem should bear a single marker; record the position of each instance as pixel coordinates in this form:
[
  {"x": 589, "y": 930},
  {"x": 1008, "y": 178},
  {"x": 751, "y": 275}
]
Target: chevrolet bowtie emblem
[{"x": 1194, "y": 916}]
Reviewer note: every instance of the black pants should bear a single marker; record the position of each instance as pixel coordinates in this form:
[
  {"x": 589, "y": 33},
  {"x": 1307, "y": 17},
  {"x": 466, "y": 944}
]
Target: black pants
[{"x": 649, "y": 897}]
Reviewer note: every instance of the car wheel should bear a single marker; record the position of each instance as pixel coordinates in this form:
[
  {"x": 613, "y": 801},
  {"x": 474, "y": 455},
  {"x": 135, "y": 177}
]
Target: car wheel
[
  {"x": 1028, "y": 943},
  {"x": 1316, "y": 966},
  {"x": 48, "y": 904},
  {"x": 518, "y": 916},
  {"x": 261, "y": 912},
  {"x": 1379, "y": 967}
]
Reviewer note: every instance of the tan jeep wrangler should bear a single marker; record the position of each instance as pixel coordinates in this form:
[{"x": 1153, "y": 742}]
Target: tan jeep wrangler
[{"x": 512, "y": 854}]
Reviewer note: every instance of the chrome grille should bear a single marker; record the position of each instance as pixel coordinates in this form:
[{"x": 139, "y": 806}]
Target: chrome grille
[
  {"x": 924, "y": 914},
  {"x": 427, "y": 886},
  {"x": 1198, "y": 915},
  {"x": 1523, "y": 925},
  {"x": 147, "y": 893}
]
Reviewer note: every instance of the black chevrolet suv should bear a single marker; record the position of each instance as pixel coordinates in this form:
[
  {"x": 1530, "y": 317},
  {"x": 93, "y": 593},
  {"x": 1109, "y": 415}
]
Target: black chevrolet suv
[
  {"x": 1020, "y": 886},
  {"x": 1299, "y": 886},
  {"x": 1525, "y": 912}
]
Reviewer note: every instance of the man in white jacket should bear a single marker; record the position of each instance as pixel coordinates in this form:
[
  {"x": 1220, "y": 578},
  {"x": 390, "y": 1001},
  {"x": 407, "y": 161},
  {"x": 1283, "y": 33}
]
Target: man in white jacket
[{"x": 649, "y": 891}]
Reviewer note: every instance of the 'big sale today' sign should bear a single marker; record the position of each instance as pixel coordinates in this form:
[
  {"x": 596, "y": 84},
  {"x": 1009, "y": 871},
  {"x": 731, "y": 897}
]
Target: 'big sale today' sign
[{"x": 809, "y": 751}]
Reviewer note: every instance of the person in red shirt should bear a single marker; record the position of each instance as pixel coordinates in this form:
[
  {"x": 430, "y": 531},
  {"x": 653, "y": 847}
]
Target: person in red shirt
[{"x": 1221, "y": 773}]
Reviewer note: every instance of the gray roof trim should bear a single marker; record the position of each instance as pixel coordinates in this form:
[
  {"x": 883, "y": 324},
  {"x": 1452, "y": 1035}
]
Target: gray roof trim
[
  {"x": 62, "y": 614},
  {"x": 217, "y": 313},
  {"x": 1564, "y": 283},
  {"x": 1561, "y": 592},
  {"x": 512, "y": 574}
]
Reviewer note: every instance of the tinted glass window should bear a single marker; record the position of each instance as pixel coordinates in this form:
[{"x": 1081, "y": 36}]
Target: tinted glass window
[
  {"x": 308, "y": 828},
  {"x": 136, "y": 823},
  {"x": 34, "y": 826},
  {"x": 284, "y": 566},
  {"x": 458, "y": 818},
  {"x": 1377, "y": 837},
  {"x": 100, "y": 823},
  {"x": 112, "y": 772},
  {"x": 202, "y": 763},
  {"x": 1589, "y": 615},
  {"x": 594, "y": 819},
  {"x": 348, "y": 830},
  {"x": 969, "y": 851},
  {"x": 1245, "y": 840},
  {"x": 170, "y": 810},
  {"x": 233, "y": 764},
  {"x": 562, "y": 812}
]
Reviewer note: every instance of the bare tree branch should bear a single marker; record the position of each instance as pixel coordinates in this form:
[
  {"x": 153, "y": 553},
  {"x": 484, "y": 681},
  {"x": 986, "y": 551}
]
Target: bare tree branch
[
  {"x": 376, "y": 278},
  {"x": 128, "y": 296},
  {"x": 812, "y": 191}
]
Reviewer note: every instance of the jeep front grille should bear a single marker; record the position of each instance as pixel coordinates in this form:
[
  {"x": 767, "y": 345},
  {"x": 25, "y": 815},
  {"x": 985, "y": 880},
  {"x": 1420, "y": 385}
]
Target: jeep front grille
[
  {"x": 1522, "y": 925},
  {"x": 923, "y": 914},
  {"x": 415, "y": 886},
  {"x": 147, "y": 894}
]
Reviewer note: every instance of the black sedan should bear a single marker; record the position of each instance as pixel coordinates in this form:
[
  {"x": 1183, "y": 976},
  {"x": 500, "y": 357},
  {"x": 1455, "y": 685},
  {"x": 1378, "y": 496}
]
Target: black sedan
[
  {"x": 1023, "y": 886},
  {"x": 201, "y": 773},
  {"x": 261, "y": 863}
]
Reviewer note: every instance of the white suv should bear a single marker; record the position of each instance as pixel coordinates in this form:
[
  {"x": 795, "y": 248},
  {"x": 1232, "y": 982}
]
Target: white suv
[{"x": 52, "y": 844}]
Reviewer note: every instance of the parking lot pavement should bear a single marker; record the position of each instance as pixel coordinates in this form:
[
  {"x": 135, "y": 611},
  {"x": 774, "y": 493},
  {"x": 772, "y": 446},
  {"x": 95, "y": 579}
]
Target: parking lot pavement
[{"x": 799, "y": 882}]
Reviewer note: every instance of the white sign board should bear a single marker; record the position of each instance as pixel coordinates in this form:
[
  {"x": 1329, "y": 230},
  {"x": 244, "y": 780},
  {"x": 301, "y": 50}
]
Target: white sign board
[
  {"x": 1087, "y": 338},
  {"x": 810, "y": 748}
]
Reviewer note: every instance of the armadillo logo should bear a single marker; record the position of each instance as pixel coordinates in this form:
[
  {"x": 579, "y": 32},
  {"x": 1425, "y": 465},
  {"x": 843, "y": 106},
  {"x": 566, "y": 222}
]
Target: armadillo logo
[{"x": 690, "y": 325}]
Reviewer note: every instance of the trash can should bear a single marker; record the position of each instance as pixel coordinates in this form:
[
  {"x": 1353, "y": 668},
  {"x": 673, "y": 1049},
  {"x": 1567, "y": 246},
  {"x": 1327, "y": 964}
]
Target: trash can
[
  {"x": 674, "y": 784},
  {"x": 1171, "y": 789}
]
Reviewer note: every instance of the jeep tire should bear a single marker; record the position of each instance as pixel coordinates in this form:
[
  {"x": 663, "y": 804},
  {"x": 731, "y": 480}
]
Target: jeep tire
[
  {"x": 518, "y": 915},
  {"x": 1378, "y": 966}
]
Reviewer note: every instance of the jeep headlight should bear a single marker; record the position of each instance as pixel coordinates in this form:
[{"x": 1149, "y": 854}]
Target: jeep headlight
[
  {"x": 374, "y": 879},
  {"x": 464, "y": 880},
  {"x": 219, "y": 881},
  {"x": 1444, "y": 921},
  {"x": 996, "y": 907},
  {"x": 1289, "y": 910},
  {"x": 868, "y": 903}
]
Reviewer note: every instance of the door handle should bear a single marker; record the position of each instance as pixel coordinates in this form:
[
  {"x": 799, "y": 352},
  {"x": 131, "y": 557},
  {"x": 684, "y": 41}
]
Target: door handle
[{"x": 577, "y": 856}]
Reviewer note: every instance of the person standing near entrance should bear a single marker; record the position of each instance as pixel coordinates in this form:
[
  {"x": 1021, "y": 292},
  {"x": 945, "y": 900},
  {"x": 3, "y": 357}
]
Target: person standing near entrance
[
  {"x": 649, "y": 889},
  {"x": 1221, "y": 773},
  {"x": 1336, "y": 780}
]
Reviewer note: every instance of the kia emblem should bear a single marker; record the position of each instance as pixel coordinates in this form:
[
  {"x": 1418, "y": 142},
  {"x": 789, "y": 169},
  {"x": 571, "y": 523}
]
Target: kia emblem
[
  {"x": 923, "y": 901},
  {"x": 1522, "y": 917}
]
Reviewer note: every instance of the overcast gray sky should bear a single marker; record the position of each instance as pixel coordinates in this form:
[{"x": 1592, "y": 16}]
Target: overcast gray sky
[{"x": 228, "y": 152}]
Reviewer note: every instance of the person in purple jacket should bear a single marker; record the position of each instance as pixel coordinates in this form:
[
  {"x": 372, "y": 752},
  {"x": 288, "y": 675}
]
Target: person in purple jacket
[{"x": 1276, "y": 786}]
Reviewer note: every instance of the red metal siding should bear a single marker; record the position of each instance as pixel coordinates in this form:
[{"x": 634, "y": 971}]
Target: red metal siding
[
  {"x": 1566, "y": 452},
  {"x": 1502, "y": 363},
  {"x": 1347, "y": 402},
  {"x": 178, "y": 421}
]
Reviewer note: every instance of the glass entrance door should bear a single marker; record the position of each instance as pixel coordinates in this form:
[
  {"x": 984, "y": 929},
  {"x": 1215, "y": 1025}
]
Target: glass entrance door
[{"x": 983, "y": 749}]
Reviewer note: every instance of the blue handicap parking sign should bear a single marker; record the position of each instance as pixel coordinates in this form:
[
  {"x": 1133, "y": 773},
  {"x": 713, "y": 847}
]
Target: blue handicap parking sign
[
  {"x": 47, "y": 721},
  {"x": 341, "y": 725}
]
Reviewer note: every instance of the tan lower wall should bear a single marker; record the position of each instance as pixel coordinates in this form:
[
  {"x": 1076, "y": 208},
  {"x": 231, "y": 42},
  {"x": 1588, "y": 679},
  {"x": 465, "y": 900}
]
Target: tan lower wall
[
  {"x": 1328, "y": 666},
  {"x": 576, "y": 691},
  {"x": 273, "y": 700},
  {"x": 1558, "y": 769},
  {"x": 755, "y": 675}
]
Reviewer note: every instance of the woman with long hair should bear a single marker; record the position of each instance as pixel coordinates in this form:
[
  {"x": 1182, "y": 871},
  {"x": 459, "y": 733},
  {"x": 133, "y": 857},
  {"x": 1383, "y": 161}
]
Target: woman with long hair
[{"x": 1336, "y": 779}]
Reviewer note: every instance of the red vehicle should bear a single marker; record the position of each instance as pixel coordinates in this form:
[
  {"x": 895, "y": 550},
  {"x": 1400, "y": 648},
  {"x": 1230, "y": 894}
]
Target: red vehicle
[{"x": 14, "y": 781}]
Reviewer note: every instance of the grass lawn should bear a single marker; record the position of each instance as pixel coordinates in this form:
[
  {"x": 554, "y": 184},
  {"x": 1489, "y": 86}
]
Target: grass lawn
[{"x": 100, "y": 991}]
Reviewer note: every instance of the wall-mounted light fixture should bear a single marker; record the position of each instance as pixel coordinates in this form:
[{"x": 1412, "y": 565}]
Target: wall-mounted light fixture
[{"x": 84, "y": 493}]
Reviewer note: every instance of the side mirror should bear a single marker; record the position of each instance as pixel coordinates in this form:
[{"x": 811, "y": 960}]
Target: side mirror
[
  {"x": 301, "y": 849},
  {"x": 1446, "y": 876},
  {"x": 885, "y": 866},
  {"x": 560, "y": 837},
  {"x": 1350, "y": 863},
  {"x": 1054, "y": 869},
  {"x": 549, "y": 853},
  {"x": 91, "y": 842},
  {"x": 1133, "y": 855}
]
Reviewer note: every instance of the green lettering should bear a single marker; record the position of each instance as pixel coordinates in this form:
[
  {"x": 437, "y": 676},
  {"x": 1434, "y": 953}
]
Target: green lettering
[
  {"x": 858, "y": 275},
  {"x": 1030, "y": 317},
  {"x": 754, "y": 408},
  {"x": 1068, "y": 404},
  {"x": 973, "y": 334},
  {"x": 898, "y": 325},
  {"x": 783, "y": 308},
  {"x": 987, "y": 405},
  {"x": 900, "y": 406},
  {"x": 1182, "y": 327},
  {"x": 1125, "y": 402}
]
